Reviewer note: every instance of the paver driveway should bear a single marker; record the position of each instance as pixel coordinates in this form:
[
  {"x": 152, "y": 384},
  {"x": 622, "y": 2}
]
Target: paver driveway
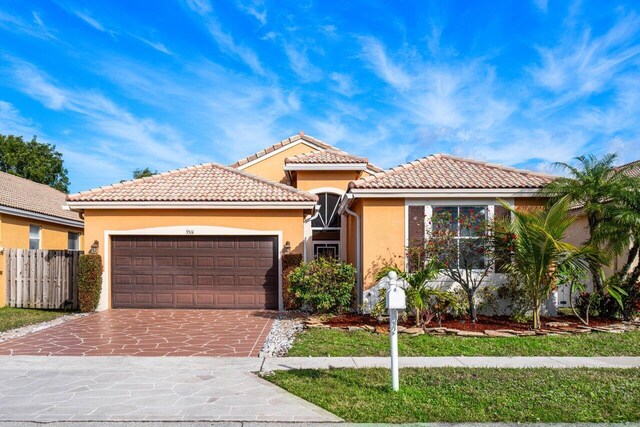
[{"x": 150, "y": 333}]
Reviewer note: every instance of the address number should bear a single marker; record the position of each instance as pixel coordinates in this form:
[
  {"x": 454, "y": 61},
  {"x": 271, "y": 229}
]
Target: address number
[{"x": 188, "y": 231}]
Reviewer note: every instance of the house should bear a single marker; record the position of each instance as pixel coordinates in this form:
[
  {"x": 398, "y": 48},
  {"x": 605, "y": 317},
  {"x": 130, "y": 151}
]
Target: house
[
  {"x": 213, "y": 236},
  {"x": 33, "y": 216},
  {"x": 578, "y": 234}
]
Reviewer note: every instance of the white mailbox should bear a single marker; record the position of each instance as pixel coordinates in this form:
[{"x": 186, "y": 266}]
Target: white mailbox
[{"x": 396, "y": 298}]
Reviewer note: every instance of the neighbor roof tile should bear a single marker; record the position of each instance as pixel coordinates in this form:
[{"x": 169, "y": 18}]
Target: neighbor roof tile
[{"x": 20, "y": 193}]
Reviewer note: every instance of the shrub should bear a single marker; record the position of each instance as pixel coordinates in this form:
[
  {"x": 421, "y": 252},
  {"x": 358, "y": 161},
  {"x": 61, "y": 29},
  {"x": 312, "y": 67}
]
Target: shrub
[
  {"x": 89, "y": 281},
  {"x": 325, "y": 285},
  {"x": 289, "y": 263}
]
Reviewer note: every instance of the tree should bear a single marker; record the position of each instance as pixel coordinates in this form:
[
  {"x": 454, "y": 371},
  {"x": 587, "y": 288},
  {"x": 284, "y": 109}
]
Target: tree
[
  {"x": 593, "y": 184},
  {"x": 463, "y": 243},
  {"x": 35, "y": 161},
  {"x": 143, "y": 173},
  {"x": 540, "y": 256}
]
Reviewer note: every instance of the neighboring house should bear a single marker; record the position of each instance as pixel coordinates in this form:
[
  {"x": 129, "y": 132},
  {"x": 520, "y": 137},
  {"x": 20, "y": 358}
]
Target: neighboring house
[
  {"x": 578, "y": 234},
  {"x": 34, "y": 216},
  {"x": 213, "y": 236}
]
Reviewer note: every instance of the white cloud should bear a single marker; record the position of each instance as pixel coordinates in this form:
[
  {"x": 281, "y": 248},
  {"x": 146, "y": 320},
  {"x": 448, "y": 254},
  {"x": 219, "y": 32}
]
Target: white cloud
[
  {"x": 543, "y": 5},
  {"x": 373, "y": 51},
  {"x": 255, "y": 9},
  {"x": 13, "y": 123},
  {"x": 160, "y": 47},
  {"x": 37, "y": 28},
  {"x": 87, "y": 18},
  {"x": 300, "y": 64},
  {"x": 344, "y": 84},
  {"x": 224, "y": 40}
]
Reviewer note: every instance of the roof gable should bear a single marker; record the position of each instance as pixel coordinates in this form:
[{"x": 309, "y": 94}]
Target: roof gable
[
  {"x": 208, "y": 182},
  {"x": 331, "y": 156},
  {"x": 299, "y": 138},
  {"x": 23, "y": 194},
  {"x": 443, "y": 171}
]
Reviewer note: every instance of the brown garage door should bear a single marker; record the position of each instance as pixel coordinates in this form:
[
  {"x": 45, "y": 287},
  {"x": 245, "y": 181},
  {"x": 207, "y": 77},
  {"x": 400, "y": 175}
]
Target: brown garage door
[{"x": 194, "y": 272}]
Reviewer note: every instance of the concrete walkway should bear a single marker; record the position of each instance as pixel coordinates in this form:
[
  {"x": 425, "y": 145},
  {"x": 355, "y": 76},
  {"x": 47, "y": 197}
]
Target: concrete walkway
[
  {"x": 36, "y": 388},
  {"x": 285, "y": 363}
]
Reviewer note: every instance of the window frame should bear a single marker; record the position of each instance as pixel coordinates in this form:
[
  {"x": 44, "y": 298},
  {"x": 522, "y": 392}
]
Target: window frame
[
  {"x": 38, "y": 239},
  {"x": 459, "y": 236},
  {"x": 77, "y": 241},
  {"x": 327, "y": 243},
  {"x": 333, "y": 213}
]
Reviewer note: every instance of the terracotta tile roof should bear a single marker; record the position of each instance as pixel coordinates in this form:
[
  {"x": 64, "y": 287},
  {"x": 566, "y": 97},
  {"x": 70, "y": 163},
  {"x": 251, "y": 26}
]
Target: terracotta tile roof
[
  {"x": 632, "y": 169},
  {"x": 208, "y": 182},
  {"x": 325, "y": 157},
  {"x": 284, "y": 142},
  {"x": 20, "y": 193},
  {"x": 445, "y": 171}
]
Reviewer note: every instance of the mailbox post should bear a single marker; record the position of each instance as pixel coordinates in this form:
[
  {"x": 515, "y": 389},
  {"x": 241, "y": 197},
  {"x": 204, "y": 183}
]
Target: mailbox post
[{"x": 396, "y": 300}]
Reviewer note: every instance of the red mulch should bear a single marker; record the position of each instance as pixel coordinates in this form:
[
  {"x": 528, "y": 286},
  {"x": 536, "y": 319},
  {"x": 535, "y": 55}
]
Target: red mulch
[{"x": 484, "y": 322}]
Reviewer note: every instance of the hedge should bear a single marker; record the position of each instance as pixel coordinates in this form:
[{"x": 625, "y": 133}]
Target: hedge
[
  {"x": 89, "y": 281},
  {"x": 289, "y": 263}
]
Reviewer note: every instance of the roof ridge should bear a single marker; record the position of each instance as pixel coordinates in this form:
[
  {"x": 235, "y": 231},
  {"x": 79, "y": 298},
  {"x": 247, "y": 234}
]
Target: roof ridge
[
  {"x": 333, "y": 150},
  {"x": 129, "y": 182},
  {"x": 431, "y": 157},
  {"x": 280, "y": 144},
  {"x": 179, "y": 171}
]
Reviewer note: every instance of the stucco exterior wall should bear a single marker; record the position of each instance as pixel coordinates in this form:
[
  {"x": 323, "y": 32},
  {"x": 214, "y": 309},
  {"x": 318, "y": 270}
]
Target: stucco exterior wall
[
  {"x": 273, "y": 167},
  {"x": 310, "y": 180},
  {"x": 97, "y": 222},
  {"x": 14, "y": 234},
  {"x": 383, "y": 241}
]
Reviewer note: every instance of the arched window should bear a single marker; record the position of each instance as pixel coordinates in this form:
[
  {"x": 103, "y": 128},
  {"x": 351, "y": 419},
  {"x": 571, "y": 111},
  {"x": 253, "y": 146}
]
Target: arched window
[{"x": 328, "y": 218}]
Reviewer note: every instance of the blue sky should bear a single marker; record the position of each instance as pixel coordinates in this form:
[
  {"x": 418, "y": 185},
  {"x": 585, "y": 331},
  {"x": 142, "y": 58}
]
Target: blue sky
[{"x": 118, "y": 85}]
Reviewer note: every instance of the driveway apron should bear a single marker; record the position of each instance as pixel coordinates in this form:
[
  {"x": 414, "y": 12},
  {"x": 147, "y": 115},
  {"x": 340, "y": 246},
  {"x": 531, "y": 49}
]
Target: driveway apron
[{"x": 150, "y": 332}]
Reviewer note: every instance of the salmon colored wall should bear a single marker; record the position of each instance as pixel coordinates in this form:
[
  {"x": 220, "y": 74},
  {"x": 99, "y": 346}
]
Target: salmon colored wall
[
  {"x": 310, "y": 180},
  {"x": 289, "y": 222},
  {"x": 383, "y": 236},
  {"x": 352, "y": 233},
  {"x": 14, "y": 234},
  {"x": 273, "y": 167}
]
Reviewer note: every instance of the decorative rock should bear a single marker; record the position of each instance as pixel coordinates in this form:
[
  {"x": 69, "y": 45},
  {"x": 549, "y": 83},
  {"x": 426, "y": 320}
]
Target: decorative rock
[
  {"x": 281, "y": 337},
  {"x": 318, "y": 326},
  {"x": 491, "y": 333},
  {"x": 470, "y": 334},
  {"x": 451, "y": 331},
  {"x": 382, "y": 331},
  {"x": 508, "y": 331},
  {"x": 412, "y": 331},
  {"x": 354, "y": 328},
  {"x": 401, "y": 328},
  {"x": 527, "y": 333},
  {"x": 557, "y": 324},
  {"x": 368, "y": 328}
]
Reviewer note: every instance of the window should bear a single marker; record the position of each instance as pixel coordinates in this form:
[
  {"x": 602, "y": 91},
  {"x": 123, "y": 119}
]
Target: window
[
  {"x": 73, "y": 240},
  {"x": 34, "y": 236},
  {"x": 461, "y": 223},
  {"x": 326, "y": 250},
  {"x": 328, "y": 218}
]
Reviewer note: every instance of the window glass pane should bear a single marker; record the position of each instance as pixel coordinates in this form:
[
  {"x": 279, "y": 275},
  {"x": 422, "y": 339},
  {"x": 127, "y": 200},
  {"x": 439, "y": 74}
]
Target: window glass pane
[
  {"x": 471, "y": 217},
  {"x": 328, "y": 212},
  {"x": 471, "y": 253},
  {"x": 34, "y": 231},
  {"x": 34, "y": 243},
  {"x": 445, "y": 217},
  {"x": 73, "y": 242}
]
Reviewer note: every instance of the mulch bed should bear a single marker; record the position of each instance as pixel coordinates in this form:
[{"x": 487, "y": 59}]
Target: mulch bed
[{"x": 484, "y": 322}]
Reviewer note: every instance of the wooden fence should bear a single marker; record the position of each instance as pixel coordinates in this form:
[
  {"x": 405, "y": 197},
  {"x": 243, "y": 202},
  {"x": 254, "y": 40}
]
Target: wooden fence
[{"x": 42, "y": 278}]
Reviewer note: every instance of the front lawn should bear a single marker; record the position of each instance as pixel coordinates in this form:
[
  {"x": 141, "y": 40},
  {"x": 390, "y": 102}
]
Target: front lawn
[
  {"x": 329, "y": 342},
  {"x": 470, "y": 395},
  {"x": 11, "y": 318}
]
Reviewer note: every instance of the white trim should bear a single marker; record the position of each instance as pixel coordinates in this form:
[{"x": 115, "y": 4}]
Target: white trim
[
  {"x": 333, "y": 190},
  {"x": 326, "y": 166},
  {"x": 328, "y": 242},
  {"x": 181, "y": 230},
  {"x": 192, "y": 205},
  {"x": 42, "y": 217},
  {"x": 444, "y": 192},
  {"x": 280, "y": 150},
  {"x": 458, "y": 202}
]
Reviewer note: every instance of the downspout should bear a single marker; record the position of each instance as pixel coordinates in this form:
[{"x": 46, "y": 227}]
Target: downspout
[
  {"x": 358, "y": 253},
  {"x": 306, "y": 220}
]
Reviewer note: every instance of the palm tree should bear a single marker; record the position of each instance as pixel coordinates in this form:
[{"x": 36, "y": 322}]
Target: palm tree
[
  {"x": 592, "y": 185},
  {"x": 540, "y": 254}
]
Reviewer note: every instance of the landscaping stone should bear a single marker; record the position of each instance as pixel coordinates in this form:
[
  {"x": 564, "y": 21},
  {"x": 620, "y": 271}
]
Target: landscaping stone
[
  {"x": 451, "y": 331},
  {"x": 368, "y": 328},
  {"x": 281, "y": 336},
  {"x": 491, "y": 333},
  {"x": 382, "y": 331},
  {"x": 557, "y": 324},
  {"x": 470, "y": 334},
  {"x": 413, "y": 331},
  {"x": 354, "y": 328}
]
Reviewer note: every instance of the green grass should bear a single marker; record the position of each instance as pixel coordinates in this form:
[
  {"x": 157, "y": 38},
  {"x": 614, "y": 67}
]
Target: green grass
[
  {"x": 11, "y": 318},
  {"x": 328, "y": 342},
  {"x": 470, "y": 395}
]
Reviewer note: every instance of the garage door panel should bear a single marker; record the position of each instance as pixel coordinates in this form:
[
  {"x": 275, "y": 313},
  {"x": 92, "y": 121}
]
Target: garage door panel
[{"x": 194, "y": 271}]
